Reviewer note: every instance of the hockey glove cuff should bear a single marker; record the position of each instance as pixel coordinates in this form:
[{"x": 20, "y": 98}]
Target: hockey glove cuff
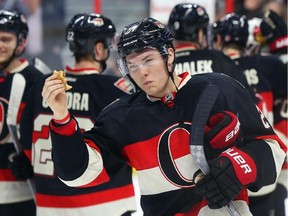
[
  {"x": 221, "y": 132},
  {"x": 244, "y": 166}
]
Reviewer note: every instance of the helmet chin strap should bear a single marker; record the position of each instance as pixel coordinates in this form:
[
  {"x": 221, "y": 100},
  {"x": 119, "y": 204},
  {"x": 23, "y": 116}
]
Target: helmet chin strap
[
  {"x": 103, "y": 61},
  {"x": 170, "y": 73}
]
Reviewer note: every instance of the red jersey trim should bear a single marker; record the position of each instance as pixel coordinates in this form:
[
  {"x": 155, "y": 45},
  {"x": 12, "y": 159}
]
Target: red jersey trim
[
  {"x": 85, "y": 199},
  {"x": 6, "y": 175},
  {"x": 64, "y": 130},
  {"x": 274, "y": 137}
]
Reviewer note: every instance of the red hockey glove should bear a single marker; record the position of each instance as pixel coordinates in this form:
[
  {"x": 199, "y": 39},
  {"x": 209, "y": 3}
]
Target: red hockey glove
[
  {"x": 229, "y": 173},
  {"x": 21, "y": 166},
  {"x": 274, "y": 30},
  {"x": 221, "y": 132}
]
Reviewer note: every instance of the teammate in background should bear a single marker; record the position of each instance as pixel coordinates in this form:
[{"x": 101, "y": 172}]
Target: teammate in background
[
  {"x": 188, "y": 23},
  {"x": 274, "y": 31},
  {"x": 230, "y": 34},
  {"x": 149, "y": 130},
  {"x": 15, "y": 197},
  {"x": 90, "y": 37}
]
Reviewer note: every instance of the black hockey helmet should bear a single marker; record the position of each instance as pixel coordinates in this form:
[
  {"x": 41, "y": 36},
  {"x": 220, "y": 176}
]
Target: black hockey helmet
[
  {"x": 233, "y": 28},
  {"x": 144, "y": 34},
  {"x": 186, "y": 19},
  {"x": 147, "y": 33},
  {"x": 84, "y": 30},
  {"x": 12, "y": 21}
]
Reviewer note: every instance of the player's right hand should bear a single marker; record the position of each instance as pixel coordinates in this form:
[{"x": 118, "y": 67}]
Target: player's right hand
[{"x": 53, "y": 93}]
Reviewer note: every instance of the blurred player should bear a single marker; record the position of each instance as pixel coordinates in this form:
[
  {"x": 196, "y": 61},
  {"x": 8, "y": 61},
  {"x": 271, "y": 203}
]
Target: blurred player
[
  {"x": 15, "y": 197},
  {"x": 188, "y": 23},
  {"x": 90, "y": 37},
  {"x": 230, "y": 34},
  {"x": 274, "y": 31}
]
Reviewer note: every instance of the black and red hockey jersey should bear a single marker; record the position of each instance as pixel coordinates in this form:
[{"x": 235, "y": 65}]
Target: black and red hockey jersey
[
  {"x": 264, "y": 73},
  {"x": 90, "y": 93},
  {"x": 154, "y": 139},
  {"x": 196, "y": 61},
  {"x": 11, "y": 189}
]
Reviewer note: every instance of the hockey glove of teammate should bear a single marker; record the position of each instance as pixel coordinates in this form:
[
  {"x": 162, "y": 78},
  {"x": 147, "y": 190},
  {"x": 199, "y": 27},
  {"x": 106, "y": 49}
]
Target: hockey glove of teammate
[
  {"x": 274, "y": 30},
  {"x": 21, "y": 166},
  {"x": 229, "y": 173},
  {"x": 221, "y": 132}
]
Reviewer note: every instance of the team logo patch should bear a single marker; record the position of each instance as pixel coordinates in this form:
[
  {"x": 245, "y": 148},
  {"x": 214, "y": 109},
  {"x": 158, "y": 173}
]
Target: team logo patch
[
  {"x": 125, "y": 85},
  {"x": 169, "y": 153},
  {"x": 200, "y": 11},
  {"x": 98, "y": 21},
  {"x": 169, "y": 98},
  {"x": 159, "y": 24}
]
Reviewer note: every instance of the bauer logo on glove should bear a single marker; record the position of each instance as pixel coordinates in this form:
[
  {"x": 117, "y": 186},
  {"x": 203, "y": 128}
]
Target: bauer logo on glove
[{"x": 61, "y": 76}]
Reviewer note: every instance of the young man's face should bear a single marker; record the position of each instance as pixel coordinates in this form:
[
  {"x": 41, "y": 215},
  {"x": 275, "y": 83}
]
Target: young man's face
[
  {"x": 148, "y": 70},
  {"x": 8, "y": 43}
]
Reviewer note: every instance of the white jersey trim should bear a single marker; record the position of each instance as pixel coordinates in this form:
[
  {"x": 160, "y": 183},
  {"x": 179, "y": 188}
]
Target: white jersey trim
[
  {"x": 113, "y": 208},
  {"x": 240, "y": 205},
  {"x": 152, "y": 181},
  {"x": 12, "y": 192},
  {"x": 95, "y": 167}
]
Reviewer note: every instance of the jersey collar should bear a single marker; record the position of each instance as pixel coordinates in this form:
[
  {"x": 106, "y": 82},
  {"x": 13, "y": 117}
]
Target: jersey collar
[
  {"x": 169, "y": 99},
  {"x": 81, "y": 71}
]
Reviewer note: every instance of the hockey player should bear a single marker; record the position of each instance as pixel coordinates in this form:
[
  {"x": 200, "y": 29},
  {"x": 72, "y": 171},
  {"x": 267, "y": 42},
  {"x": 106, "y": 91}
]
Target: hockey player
[
  {"x": 15, "y": 196},
  {"x": 89, "y": 37},
  {"x": 188, "y": 23},
  {"x": 149, "y": 130},
  {"x": 230, "y": 34},
  {"x": 274, "y": 31}
]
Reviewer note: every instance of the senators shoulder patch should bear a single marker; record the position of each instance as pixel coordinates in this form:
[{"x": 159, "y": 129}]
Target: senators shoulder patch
[{"x": 125, "y": 85}]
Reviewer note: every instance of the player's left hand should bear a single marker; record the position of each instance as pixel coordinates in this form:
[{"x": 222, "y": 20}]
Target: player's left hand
[
  {"x": 229, "y": 174},
  {"x": 21, "y": 166},
  {"x": 221, "y": 185}
]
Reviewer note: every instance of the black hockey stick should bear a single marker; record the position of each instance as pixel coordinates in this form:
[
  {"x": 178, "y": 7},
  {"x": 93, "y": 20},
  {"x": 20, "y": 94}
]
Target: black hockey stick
[
  {"x": 197, "y": 132},
  {"x": 16, "y": 94}
]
